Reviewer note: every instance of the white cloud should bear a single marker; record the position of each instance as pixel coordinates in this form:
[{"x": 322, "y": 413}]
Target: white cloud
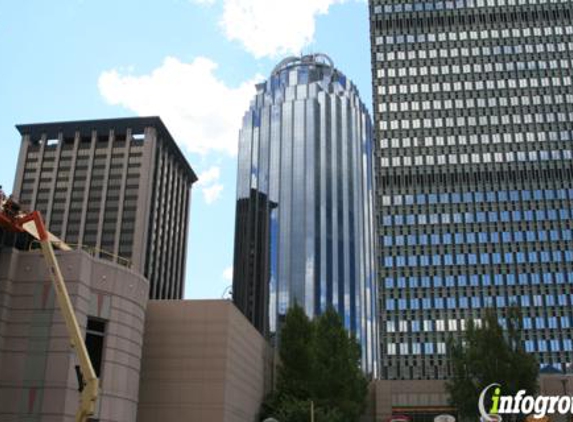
[
  {"x": 212, "y": 193},
  {"x": 200, "y": 110},
  {"x": 208, "y": 184},
  {"x": 273, "y": 27},
  {"x": 210, "y": 175},
  {"x": 228, "y": 274}
]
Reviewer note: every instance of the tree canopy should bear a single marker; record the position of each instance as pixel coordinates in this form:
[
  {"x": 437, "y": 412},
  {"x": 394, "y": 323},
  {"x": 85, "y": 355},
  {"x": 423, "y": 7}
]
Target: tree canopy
[
  {"x": 319, "y": 362},
  {"x": 489, "y": 354}
]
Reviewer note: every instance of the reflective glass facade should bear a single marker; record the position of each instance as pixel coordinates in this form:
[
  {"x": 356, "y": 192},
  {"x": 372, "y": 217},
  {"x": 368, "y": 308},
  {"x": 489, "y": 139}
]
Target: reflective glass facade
[
  {"x": 474, "y": 112},
  {"x": 304, "y": 231}
]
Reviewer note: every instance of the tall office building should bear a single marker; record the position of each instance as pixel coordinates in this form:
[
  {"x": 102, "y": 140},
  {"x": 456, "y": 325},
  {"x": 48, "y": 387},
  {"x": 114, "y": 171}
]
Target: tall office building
[
  {"x": 474, "y": 125},
  {"x": 121, "y": 187},
  {"x": 304, "y": 230}
]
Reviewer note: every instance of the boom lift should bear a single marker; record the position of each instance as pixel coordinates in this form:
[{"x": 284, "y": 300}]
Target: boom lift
[{"x": 14, "y": 219}]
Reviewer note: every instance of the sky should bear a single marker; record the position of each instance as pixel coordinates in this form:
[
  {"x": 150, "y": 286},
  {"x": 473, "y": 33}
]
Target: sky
[{"x": 194, "y": 63}]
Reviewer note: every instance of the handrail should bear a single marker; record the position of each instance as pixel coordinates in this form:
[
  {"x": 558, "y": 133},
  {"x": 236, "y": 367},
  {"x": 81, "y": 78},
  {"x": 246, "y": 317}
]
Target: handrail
[
  {"x": 92, "y": 251},
  {"x": 317, "y": 58}
]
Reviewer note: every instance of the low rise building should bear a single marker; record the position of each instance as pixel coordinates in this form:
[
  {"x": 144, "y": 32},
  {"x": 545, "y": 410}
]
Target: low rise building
[
  {"x": 424, "y": 400},
  {"x": 202, "y": 361},
  {"x": 38, "y": 379}
]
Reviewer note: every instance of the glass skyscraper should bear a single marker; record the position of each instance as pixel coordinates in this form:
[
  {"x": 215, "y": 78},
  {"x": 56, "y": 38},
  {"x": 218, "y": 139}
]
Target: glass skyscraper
[
  {"x": 304, "y": 229},
  {"x": 474, "y": 128}
]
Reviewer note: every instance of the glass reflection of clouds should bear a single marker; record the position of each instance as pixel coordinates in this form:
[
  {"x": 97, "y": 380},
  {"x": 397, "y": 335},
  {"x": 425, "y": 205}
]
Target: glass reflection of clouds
[{"x": 305, "y": 201}]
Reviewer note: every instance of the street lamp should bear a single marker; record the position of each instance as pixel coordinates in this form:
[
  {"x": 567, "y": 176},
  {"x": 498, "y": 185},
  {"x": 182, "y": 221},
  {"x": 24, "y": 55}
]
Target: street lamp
[
  {"x": 564, "y": 382},
  {"x": 311, "y": 411}
]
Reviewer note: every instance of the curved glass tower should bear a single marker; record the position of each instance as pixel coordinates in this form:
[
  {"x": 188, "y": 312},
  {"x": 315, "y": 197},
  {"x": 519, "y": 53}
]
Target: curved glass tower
[{"x": 304, "y": 229}]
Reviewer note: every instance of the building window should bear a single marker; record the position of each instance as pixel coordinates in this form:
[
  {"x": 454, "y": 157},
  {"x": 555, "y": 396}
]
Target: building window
[{"x": 95, "y": 334}]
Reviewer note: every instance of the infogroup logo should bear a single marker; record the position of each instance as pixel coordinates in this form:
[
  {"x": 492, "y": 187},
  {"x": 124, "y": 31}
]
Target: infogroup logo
[{"x": 539, "y": 406}]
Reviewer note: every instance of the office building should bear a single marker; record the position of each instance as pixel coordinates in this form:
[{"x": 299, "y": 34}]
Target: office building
[
  {"x": 252, "y": 264},
  {"x": 119, "y": 187},
  {"x": 474, "y": 127},
  {"x": 304, "y": 230},
  {"x": 155, "y": 359}
]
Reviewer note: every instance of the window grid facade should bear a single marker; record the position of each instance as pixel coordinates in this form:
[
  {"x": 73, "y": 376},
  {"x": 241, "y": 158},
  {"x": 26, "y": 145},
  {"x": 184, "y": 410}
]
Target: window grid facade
[
  {"x": 119, "y": 187},
  {"x": 474, "y": 109}
]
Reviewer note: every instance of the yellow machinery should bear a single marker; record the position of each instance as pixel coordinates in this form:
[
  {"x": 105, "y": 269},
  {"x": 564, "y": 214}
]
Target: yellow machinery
[{"x": 14, "y": 219}]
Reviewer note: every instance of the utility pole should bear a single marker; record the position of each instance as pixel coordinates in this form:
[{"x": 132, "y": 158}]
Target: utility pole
[{"x": 311, "y": 411}]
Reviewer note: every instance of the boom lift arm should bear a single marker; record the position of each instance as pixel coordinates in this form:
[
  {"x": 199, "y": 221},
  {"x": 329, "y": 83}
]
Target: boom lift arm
[{"x": 14, "y": 219}]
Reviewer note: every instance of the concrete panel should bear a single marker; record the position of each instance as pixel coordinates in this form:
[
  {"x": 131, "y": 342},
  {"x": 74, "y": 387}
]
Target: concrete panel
[
  {"x": 204, "y": 359},
  {"x": 37, "y": 372}
]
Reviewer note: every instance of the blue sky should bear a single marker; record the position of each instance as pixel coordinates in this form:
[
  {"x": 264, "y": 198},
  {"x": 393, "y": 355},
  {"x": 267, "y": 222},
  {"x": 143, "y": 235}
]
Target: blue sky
[{"x": 87, "y": 59}]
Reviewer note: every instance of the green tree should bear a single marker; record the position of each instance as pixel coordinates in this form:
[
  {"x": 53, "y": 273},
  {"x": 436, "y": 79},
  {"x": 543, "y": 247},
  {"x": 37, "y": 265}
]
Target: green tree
[
  {"x": 339, "y": 382},
  {"x": 295, "y": 354},
  {"x": 319, "y": 362},
  {"x": 486, "y": 355}
]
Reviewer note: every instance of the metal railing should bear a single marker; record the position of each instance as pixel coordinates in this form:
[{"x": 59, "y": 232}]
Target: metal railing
[{"x": 93, "y": 251}]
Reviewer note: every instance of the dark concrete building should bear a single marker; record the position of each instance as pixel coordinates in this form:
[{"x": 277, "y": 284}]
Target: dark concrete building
[
  {"x": 252, "y": 258},
  {"x": 119, "y": 187},
  {"x": 304, "y": 229},
  {"x": 474, "y": 125}
]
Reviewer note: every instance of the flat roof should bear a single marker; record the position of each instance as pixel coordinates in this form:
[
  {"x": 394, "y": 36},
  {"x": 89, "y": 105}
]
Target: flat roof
[{"x": 137, "y": 124}]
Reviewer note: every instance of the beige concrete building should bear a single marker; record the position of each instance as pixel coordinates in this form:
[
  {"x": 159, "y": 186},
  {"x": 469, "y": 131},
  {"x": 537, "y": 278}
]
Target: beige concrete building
[
  {"x": 420, "y": 399},
  {"x": 202, "y": 362},
  {"x": 37, "y": 366}
]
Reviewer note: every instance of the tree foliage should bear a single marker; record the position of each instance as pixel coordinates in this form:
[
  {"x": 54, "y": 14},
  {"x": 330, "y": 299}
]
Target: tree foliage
[
  {"x": 320, "y": 362},
  {"x": 489, "y": 354},
  {"x": 295, "y": 354}
]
